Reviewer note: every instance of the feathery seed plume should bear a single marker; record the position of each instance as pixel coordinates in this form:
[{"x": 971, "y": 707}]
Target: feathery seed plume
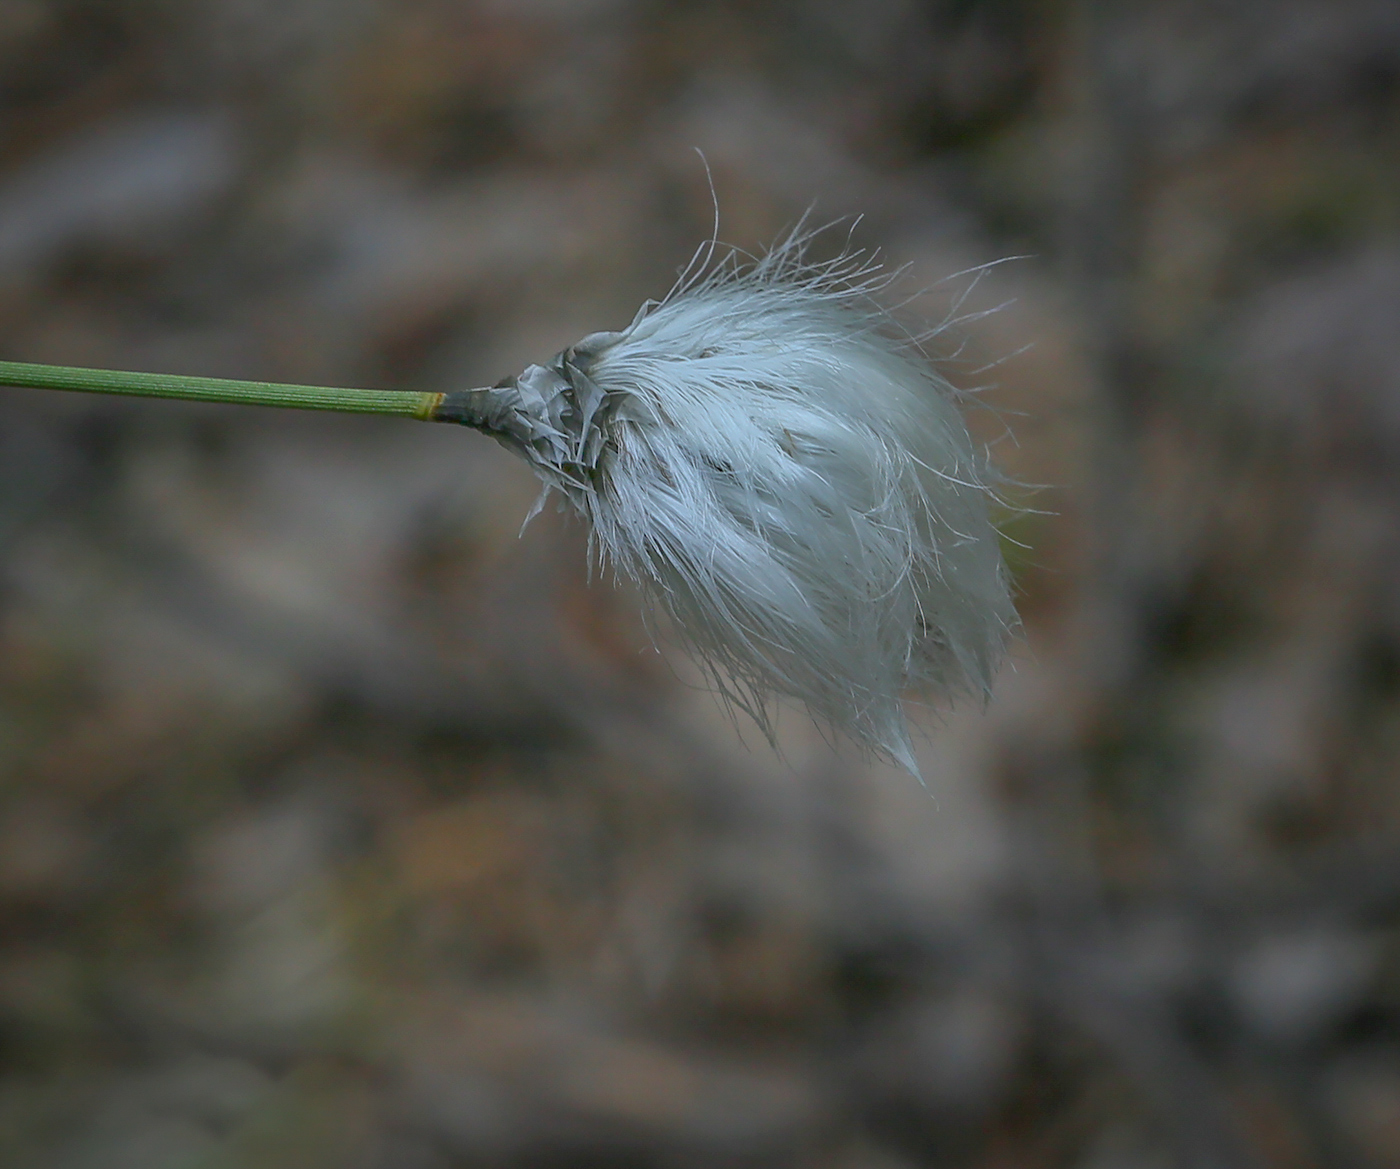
[{"x": 788, "y": 476}]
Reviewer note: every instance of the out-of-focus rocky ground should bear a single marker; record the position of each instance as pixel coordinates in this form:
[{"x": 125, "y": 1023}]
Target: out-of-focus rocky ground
[{"x": 340, "y": 827}]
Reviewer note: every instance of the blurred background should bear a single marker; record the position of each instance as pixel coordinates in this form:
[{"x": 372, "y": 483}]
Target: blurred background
[{"x": 339, "y": 827}]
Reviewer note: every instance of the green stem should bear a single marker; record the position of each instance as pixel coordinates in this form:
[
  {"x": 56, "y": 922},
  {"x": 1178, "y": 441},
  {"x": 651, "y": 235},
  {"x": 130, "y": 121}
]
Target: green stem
[{"x": 403, "y": 403}]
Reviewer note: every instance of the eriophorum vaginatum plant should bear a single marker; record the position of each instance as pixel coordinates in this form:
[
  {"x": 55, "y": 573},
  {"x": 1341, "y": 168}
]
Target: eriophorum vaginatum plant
[{"x": 777, "y": 464}]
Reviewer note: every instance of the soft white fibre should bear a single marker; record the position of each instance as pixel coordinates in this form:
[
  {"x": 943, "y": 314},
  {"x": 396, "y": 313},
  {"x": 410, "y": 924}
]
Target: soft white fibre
[{"x": 790, "y": 478}]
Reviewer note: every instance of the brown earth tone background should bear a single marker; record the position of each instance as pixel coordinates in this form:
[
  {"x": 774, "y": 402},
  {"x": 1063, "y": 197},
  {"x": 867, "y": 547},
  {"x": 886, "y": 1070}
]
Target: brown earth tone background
[{"x": 342, "y": 829}]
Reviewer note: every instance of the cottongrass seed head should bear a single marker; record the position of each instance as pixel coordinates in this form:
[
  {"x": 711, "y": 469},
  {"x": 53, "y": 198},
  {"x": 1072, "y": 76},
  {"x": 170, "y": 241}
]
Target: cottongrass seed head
[{"x": 789, "y": 476}]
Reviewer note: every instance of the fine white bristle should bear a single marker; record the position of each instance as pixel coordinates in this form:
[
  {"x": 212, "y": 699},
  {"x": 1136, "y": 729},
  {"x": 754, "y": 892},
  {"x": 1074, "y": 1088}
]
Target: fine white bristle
[{"x": 790, "y": 478}]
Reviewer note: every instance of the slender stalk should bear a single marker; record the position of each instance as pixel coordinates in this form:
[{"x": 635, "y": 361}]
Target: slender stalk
[{"x": 402, "y": 403}]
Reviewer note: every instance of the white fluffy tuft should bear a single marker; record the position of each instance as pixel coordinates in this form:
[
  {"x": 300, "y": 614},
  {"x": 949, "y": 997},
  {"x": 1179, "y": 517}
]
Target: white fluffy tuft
[{"x": 790, "y": 479}]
